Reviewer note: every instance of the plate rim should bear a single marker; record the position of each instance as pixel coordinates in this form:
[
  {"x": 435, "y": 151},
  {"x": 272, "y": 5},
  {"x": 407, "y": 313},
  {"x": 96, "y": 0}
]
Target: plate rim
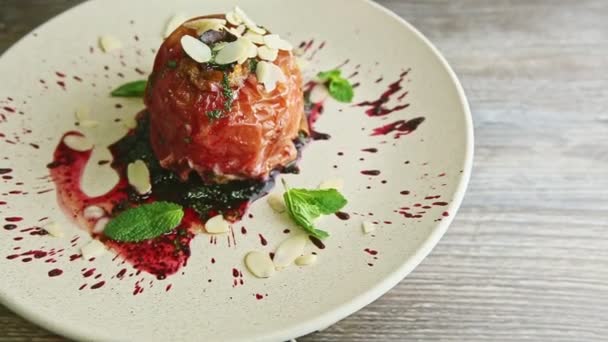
[{"x": 367, "y": 297}]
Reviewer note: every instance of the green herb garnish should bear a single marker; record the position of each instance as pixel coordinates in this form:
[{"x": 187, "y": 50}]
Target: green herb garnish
[
  {"x": 228, "y": 93},
  {"x": 339, "y": 87},
  {"x": 131, "y": 89},
  {"x": 172, "y": 64},
  {"x": 253, "y": 65},
  {"x": 214, "y": 114},
  {"x": 304, "y": 206},
  {"x": 144, "y": 222}
]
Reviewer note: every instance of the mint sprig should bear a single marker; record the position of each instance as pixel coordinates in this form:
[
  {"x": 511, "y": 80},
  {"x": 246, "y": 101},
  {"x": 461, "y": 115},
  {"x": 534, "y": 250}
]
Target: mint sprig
[
  {"x": 339, "y": 87},
  {"x": 144, "y": 222},
  {"x": 131, "y": 89},
  {"x": 304, "y": 206}
]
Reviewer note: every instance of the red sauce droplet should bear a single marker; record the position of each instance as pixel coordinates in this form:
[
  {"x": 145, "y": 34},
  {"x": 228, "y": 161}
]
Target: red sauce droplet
[
  {"x": 370, "y": 172},
  {"x": 370, "y": 251},
  {"x": 55, "y": 272},
  {"x": 168, "y": 287},
  {"x": 315, "y": 241},
  {"x": 10, "y": 226},
  {"x": 88, "y": 273},
  {"x": 370, "y": 150},
  {"x": 441, "y": 204},
  {"x": 213, "y": 260},
  {"x": 5, "y": 171},
  {"x": 377, "y": 107},
  {"x": 98, "y": 285},
  {"x": 243, "y": 230},
  {"x": 259, "y": 296},
  {"x": 13, "y": 219},
  {"x": 445, "y": 214},
  {"x": 342, "y": 215},
  {"x": 121, "y": 274},
  {"x": 263, "y": 240},
  {"x": 235, "y": 273},
  {"x": 402, "y": 127}
]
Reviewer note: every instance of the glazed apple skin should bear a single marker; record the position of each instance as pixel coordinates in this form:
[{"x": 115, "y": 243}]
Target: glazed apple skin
[{"x": 253, "y": 137}]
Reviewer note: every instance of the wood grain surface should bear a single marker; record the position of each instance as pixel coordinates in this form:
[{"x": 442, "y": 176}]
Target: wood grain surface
[{"x": 527, "y": 256}]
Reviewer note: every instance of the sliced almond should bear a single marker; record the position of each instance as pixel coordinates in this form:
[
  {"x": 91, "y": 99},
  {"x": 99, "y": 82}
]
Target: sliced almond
[
  {"x": 267, "y": 54},
  {"x": 233, "y": 18},
  {"x": 259, "y": 264},
  {"x": 93, "y": 249},
  {"x": 196, "y": 49},
  {"x": 306, "y": 260},
  {"x": 237, "y": 31},
  {"x": 269, "y": 74},
  {"x": 251, "y": 25},
  {"x": 109, "y": 43},
  {"x": 93, "y": 212},
  {"x": 100, "y": 225},
  {"x": 78, "y": 142},
  {"x": 54, "y": 229},
  {"x": 289, "y": 250},
  {"x": 217, "y": 225},
  {"x": 237, "y": 51},
  {"x": 219, "y": 46},
  {"x": 334, "y": 183},
  {"x": 138, "y": 176},
  {"x": 277, "y": 203},
  {"x": 275, "y": 42},
  {"x": 203, "y": 25},
  {"x": 174, "y": 23},
  {"x": 368, "y": 227},
  {"x": 254, "y": 37}
]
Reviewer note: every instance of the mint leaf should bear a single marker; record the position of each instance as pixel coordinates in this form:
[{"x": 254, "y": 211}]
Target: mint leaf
[
  {"x": 341, "y": 90},
  {"x": 304, "y": 206},
  {"x": 329, "y": 75},
  {"x": 144, "y": 222},
  {"x": 339, "y": 87},
  {"x": 131, "y": 89}
]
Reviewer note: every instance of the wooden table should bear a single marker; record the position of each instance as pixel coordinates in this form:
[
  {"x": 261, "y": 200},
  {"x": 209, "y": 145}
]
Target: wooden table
[{"x": 527, "y": 256}]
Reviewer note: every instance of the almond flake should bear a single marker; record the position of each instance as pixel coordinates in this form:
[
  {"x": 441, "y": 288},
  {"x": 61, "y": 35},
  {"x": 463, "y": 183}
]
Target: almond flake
[
  {"x": 368, "y": 227},
  {"x": 93, "y": 212},
  {"x": 138, "y": 176},
  {"x": 100, "y": 225},
  {"x": 259, "y": 264},
  {"x": 109, "y": 43},
  {"x": 219, "y": 46},
  {"x": 203, "y": 25},
  {"x": 233, "y": 18},
  {"x": 173, "y": 23},
  {"x": 93, "y": 249},
  {"x": 267, "y": 54},
  {"x": 237, "y": 31},
  {"x": 269, "y": 74},
  {"x": 276, "y": 202},
  {"x": 54, "y": 229},
  {"x": 78, "y": 142},
  {"x": 251, "y": 25},
  {"x": 289, "y": 250},
  {"x": 196, "y": 49},
  {"x": 275, "y": 42},
  {"x": 217, "y": 225},
  {"x": 254, "y": 37},
  {"x": 239, "y": 50},
  {"x": 335, "y": 183},
  {"x": 306, "y": 260}
]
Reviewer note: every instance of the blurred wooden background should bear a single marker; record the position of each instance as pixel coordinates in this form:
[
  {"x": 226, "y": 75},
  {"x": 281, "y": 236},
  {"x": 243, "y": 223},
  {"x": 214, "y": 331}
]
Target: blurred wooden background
[{"x": 527, "y": 256}]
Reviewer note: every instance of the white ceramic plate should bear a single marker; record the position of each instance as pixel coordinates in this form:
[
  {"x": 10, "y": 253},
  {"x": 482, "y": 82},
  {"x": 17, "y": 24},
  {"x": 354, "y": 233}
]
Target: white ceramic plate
[{"x": 203, "y": 304}]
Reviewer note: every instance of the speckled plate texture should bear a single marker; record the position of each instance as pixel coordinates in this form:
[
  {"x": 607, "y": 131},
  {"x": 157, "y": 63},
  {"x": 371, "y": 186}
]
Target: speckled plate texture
[{"x": 403, "y": 172}]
